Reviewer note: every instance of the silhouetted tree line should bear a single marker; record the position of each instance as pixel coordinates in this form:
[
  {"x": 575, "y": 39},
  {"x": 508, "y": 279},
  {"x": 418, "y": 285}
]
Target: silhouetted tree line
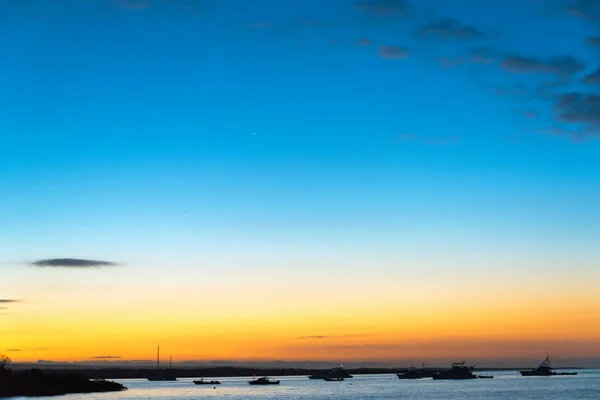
[{"x": 35, "y": 382}]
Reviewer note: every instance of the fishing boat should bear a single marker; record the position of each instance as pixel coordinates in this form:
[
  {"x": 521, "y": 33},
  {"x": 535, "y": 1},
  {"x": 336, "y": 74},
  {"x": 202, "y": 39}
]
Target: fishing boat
[
  {"x": 162, "y": 375},
  {"x": 263, "y": 381},
  {"x": 203, "y": 382},
  {"x": 411, "y": 373},
  {"x": 544, "y": 369},
  {"x": 458, "y": 371}
]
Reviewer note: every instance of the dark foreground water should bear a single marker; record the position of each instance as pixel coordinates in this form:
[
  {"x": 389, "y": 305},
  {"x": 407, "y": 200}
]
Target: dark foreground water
[{"x": 505, "y": 386}]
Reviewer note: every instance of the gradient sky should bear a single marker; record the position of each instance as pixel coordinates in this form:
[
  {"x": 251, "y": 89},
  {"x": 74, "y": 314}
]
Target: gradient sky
[{"x": 371, "y": 180}]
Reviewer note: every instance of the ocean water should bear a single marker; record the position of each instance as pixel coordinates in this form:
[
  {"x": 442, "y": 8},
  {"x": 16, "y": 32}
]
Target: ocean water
[{"x": 504, "y": 386}]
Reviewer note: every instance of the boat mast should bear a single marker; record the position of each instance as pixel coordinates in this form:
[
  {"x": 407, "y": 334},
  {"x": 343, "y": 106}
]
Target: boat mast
[
  {"x": 170, "y": 362},
  {"x": 158, "y": 358}
]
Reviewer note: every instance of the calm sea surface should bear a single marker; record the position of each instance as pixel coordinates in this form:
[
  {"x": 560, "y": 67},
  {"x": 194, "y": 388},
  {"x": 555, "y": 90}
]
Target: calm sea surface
[{"x": 504, "y": 386}]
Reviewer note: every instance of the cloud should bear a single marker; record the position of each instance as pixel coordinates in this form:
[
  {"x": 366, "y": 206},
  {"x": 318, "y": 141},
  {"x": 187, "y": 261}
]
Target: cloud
[
  {"x": 7, "y": 301},
  {"x": 450, "y": 28},
  {"x": 364, "y": 42},
  {"x": 333, "y": 336},
  {"x": 560, "y": 66},
  {"x": 105, "y": 357},
  {"x": 579, "y": 108},
  {"x": 72, "y": 263},
  {"x": 13, "y": 350},
  {"x": 593, "y": 41},
  {"x": 586, "y": 9},
  {"x": 483, "y": 55},
  {"x": 593, "y": 78},
  {"x": 383, "y": 8},
  {"x": 393, "y": 52}
]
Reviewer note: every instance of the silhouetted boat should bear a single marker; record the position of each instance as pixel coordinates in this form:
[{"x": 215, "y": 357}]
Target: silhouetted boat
[
  {"x": 484, "y": 376},
  {"x": 332, "y": 379},
  {"x": 411, "y": 373},
  {"x": 544, "y": 369},
  {"x": 203, "y": 382},
  {"x": 337, "y": 372},
  {"x": 263, "y": 381},
  {"x": 458, "y": 371},
  {"x": 162, "y": 375}
]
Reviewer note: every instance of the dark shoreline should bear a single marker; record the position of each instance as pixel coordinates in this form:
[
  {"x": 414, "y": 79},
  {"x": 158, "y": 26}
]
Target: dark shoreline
[
  {"x": 230, "y": 372},
  {"x": 37, "y": 383}
]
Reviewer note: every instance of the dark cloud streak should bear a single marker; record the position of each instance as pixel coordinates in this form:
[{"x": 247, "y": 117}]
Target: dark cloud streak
[
  {"x": 72, "y": 263},
  {"x": 393, "y": 52},
  {"x": 560, "y": 66},
  {"x": 105, "y": 357},
  {"x": 450, "y": 29},
  {"x": 579, "y": 108},
  {"x": 383, "y": 8}
]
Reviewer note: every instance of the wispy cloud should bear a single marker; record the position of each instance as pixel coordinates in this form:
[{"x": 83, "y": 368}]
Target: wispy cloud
[
  {"x": 72, "y": 263},
  {"x": 579, "y": 108},
  {"x": 586, "y": 9},
  {"x": 561, "y": 66},
  {"x": 393, "y": 52},
  {"x": 383, "y": 8},
  {"x": 7, "y": 301},
  {"x": 105, "y": 357},
  {"x": 13, "y": 350},
  {"x": 593, "y": 78},
  {"x": 319, "y": 337},
  {"x": 593, "y": 41},
  {"x": 450, "y": 28},
  {"x": 364, "y": 42}
]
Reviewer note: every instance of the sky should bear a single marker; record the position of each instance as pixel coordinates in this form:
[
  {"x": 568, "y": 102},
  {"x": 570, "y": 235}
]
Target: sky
[{"x": 385, "y": 181}]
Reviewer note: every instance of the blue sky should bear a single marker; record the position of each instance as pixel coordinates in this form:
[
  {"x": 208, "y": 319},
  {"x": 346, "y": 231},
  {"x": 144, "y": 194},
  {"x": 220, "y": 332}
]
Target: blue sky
[{"x": 157, "y": 132}]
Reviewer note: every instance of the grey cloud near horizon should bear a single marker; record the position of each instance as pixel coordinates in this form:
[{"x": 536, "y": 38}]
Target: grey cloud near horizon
[
  {"x": 7, "y": 301},
  {"x": 105, "y": 357},
  {"x": 333, "y": 336},
  {"x": 393, "y": 52},
  {"x": 384, "y": 8},
  {"x": 560, "y": 66},
  {"x": 450, "y": 29},
  {"x": 72, "y": 263}
]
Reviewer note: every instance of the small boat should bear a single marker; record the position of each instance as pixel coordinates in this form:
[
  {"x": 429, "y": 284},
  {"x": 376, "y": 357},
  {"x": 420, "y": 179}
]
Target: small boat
[
  {"x": 410, "y": 373},
  {"x": 162, "y": 375},
  {"x": 458, "y": 371},
  {"x": 333, "y": 379},
  {"x": 544, "y": 369},
  {"x": 485, "y": 376},
  {"x": 338, "y": 372},
  {"x": 203, "y": 382},
  {"x": 263, "y": 381}
]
